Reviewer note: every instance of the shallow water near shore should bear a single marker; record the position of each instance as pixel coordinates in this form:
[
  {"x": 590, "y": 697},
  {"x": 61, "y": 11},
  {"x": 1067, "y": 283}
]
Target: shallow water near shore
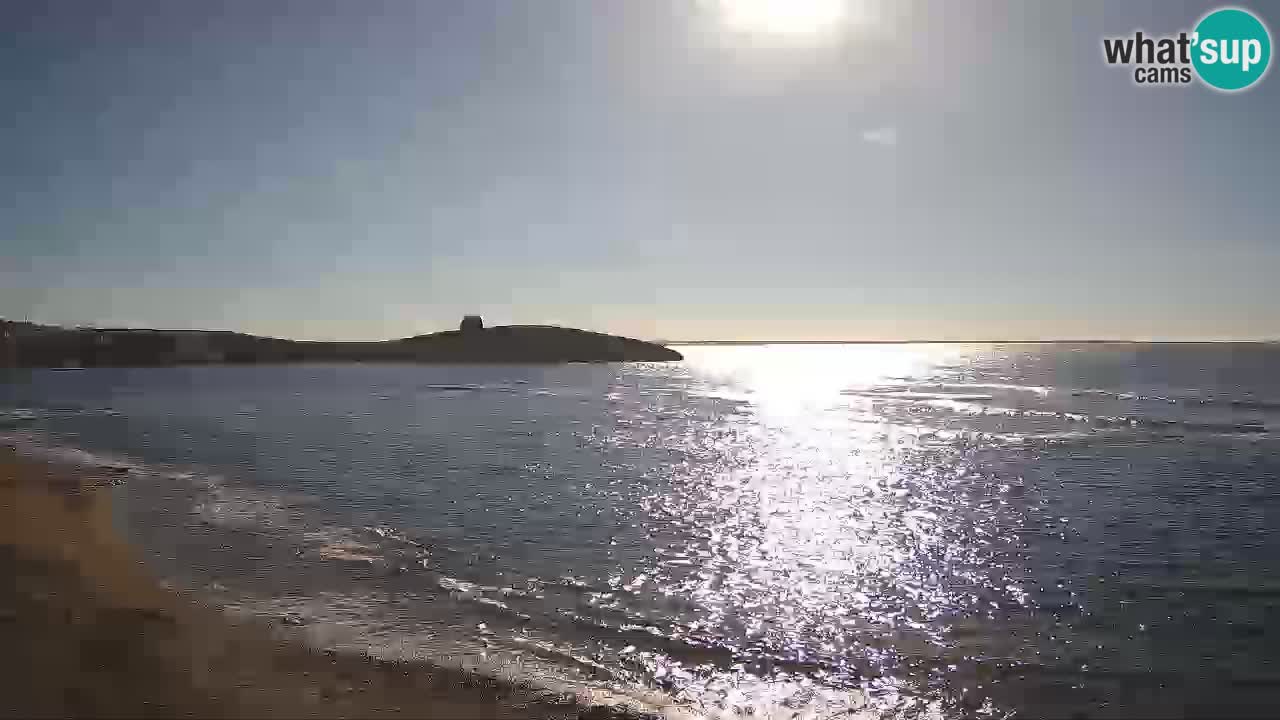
[{"x": 901, "y": 530}]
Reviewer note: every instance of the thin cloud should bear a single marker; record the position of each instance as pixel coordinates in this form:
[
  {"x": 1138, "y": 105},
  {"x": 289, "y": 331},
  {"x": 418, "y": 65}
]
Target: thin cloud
[{"x": 881, "y": 136}]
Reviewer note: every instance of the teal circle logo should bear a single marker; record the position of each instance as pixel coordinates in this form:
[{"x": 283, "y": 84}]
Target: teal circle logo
[{"x": 1232, "y": 49}]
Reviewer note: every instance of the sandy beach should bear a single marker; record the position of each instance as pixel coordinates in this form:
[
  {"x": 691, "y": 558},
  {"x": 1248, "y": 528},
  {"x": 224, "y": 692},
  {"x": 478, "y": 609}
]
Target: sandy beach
[{"x": 89, "y": 633}]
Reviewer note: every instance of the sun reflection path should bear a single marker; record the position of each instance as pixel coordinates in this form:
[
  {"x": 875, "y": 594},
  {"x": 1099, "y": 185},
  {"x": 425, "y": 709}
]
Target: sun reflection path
[{"x": 810, "y": 535}]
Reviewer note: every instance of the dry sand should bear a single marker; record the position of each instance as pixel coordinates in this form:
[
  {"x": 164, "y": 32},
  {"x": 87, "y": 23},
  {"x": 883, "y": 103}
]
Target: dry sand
[{"x": 87, "y": 632}]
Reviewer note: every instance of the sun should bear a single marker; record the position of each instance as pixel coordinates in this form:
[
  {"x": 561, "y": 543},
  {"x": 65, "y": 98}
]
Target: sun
[{"x": 795, "y": 18}]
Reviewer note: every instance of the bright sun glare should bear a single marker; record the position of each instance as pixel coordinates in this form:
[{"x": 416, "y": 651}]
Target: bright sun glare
[{"x": 784, "y": 17}]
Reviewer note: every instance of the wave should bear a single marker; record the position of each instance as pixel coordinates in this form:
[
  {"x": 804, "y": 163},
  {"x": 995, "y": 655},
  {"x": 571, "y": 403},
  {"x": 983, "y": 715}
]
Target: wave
[
  {"x": 960, "y": 405},
  {"x": 213, "y": 501},
  {"x": 1041, "y": 390},
  {"x": 904, "y": 384},
  {"x": 24, "y": 414},
  {"x": 1133, "y": 421},
  {"x": 1189, "y": 397},
  {"x": 37, "y": 445},
  {"x": 915, "y": 395},
  {"x": 1184, "y": 398},
  {"x": 469, "y": 387},
  {"x": 457, "y": 388},
  {"x": 348, "y": 550},
  {"x": 19, "y": 414},
  {"x": 978, "y": 405}
]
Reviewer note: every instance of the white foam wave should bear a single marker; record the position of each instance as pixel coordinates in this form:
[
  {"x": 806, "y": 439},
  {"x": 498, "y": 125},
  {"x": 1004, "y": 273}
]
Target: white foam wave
[
  {"x": 916, "y": 396},
  {"x": 39, "y": 446}
]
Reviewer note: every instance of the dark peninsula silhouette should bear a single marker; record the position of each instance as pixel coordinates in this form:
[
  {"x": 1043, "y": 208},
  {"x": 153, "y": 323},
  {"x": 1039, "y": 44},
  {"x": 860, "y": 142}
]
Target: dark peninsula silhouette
[{"x": 31, "y": 345}]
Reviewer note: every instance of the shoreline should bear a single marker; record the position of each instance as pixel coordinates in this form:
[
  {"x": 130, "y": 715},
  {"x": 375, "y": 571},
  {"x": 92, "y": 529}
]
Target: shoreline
[{"x": 91, "y": 633}]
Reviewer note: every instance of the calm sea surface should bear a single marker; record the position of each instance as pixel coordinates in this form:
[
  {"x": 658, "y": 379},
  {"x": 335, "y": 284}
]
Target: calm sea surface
[{"x": 890, "y": 529}]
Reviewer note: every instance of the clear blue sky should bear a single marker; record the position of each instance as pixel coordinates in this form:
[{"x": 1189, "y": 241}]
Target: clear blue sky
[{"x": 376, "y": 169}]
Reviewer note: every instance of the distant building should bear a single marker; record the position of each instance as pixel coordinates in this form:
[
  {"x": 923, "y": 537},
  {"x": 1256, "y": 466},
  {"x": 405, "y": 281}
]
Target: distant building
[{"x": 471, "y": 323}]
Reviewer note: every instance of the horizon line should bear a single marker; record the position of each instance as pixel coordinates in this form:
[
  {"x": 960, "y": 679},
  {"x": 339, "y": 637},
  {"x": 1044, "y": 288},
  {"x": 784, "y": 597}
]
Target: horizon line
[
  {"x": 910, "y": 341},
  {"x": 1089, "y": 341}
]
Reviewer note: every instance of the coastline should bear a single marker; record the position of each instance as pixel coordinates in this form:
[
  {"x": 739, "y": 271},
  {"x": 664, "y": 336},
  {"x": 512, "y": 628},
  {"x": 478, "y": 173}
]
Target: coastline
[
  {"x": 90, "y": 633},
  {"x": 24, "y": 344}
]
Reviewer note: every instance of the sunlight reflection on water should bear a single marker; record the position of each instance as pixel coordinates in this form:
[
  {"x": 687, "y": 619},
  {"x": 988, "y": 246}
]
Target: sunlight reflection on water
[{"x": 814, "y": 537}]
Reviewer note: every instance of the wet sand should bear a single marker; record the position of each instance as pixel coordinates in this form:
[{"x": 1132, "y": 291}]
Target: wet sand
[{"x": 87, "y": 632}]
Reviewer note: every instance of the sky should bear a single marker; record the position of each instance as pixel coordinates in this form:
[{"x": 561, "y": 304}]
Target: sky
[{"x": 660, "y": 169}]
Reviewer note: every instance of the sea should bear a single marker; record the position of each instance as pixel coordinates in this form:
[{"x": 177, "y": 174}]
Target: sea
[{"x": 765, "y": 531}]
